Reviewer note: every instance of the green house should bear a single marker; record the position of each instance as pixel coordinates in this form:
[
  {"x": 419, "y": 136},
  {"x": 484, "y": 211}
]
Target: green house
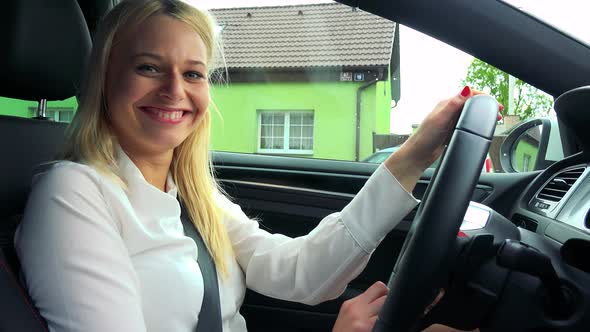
[{"x": 293, "y": 72}]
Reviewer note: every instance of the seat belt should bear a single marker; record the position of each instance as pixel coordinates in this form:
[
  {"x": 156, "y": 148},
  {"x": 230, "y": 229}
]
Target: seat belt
[{"x": 210, "y": 313}]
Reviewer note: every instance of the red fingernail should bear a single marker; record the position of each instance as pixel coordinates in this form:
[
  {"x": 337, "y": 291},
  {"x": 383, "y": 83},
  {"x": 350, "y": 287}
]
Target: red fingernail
[{"x": 466, "y": 91}]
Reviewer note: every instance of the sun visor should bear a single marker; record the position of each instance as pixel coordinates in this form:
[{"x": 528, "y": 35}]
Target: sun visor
[{"x": 45, "y": 46}]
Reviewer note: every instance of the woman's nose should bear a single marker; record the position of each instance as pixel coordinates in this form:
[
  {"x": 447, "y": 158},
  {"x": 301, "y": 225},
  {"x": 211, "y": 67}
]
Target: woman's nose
[{"x": 173, "y": 88}]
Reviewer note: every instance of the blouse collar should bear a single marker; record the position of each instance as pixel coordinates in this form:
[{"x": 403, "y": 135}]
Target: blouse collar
[{"x": 131, "y": 174}]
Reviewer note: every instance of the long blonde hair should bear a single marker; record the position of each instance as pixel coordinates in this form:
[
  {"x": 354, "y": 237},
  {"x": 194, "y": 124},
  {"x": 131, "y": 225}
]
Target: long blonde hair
[{"x": 91, "y": 140}]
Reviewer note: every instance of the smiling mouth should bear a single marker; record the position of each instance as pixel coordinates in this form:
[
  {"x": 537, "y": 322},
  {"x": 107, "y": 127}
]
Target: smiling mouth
[{"x": 165, "y": 115}]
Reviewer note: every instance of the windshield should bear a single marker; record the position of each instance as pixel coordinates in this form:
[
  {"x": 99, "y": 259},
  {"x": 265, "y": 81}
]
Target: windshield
[{"x": 569, "y": 16}]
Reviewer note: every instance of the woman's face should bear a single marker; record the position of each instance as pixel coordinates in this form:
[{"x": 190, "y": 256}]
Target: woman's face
[{"x": 157, "y": 90}]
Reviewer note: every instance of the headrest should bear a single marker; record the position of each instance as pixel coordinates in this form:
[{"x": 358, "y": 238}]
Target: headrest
[
  {"x": 95, "y": 10},
  {"x": 45, "y": 46}
]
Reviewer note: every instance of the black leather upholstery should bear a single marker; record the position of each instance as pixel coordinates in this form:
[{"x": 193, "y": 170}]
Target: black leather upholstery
[
  {"x": 24, "y": 143},
  {"x": 16, "y": 309},
  {"x": 94, "y": 10},
  {"x": 44, "y": 47}
]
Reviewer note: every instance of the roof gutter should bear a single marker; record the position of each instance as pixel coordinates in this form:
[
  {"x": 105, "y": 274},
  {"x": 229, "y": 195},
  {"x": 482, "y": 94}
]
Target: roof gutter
[{"x": 359, "y": 93}]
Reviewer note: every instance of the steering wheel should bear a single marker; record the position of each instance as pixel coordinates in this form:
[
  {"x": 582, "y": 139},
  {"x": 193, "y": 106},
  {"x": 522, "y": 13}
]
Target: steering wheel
[{"x": 425, "y": 262}]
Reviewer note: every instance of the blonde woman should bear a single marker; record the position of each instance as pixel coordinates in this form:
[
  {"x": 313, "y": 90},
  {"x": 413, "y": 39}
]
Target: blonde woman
[{"x": 102, "y": 245}]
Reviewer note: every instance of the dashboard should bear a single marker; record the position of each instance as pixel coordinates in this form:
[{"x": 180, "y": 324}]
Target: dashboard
[
  {"x": 556, "y": 203},
  {"x": 565, "y": 197}
]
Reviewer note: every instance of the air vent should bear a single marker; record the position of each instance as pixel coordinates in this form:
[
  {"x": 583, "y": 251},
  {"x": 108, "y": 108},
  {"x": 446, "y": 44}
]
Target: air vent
[{"x": 560, "y": 184}]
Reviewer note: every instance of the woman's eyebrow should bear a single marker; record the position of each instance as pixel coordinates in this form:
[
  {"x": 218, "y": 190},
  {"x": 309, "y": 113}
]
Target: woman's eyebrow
[
  {"x": 148, "y": 55},
  {"x": 160, "y": 58},
  {"x": 196, "y": 62}
]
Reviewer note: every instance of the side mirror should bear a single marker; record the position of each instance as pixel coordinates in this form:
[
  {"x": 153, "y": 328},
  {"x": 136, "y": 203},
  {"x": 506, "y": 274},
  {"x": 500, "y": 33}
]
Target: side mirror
[{"x": 532, "y": 145}]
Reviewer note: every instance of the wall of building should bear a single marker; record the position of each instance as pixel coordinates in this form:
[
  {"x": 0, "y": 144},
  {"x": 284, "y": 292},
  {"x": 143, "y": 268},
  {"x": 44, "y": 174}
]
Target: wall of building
[
  {"x": 525, "y": 150},
  {"x": 235, "y": 128}
]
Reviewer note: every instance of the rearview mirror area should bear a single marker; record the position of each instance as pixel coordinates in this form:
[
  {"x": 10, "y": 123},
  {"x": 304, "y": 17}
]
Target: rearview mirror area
[
  {"x": 525, "y": 149},
  {"x": 532, "y": 145}
]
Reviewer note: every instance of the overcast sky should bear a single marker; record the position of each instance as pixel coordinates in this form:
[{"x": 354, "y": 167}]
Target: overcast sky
[{"x": 431, "y": 70}]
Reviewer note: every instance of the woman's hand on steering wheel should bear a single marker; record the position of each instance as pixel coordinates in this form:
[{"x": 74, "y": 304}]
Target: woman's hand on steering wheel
[
  {"x": 427, "y": 144},
  {"x": 360, "y": 313}
]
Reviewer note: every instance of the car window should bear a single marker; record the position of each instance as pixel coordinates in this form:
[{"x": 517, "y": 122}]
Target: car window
[
  {"x": 327, "y": 83},
  {"x": 61, "y": 110},
  {"x": 324, "y": 80}
]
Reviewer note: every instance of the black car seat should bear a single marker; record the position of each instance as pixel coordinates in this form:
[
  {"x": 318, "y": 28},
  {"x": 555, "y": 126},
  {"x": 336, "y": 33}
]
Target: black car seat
[{"x": 45, "y": 44}]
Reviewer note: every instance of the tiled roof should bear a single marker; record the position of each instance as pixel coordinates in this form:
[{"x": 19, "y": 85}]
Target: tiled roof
[{"x": 319, "y": 35}]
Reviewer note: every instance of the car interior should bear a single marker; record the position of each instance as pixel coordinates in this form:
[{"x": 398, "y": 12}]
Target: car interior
[{"x": 511, "y": 249}]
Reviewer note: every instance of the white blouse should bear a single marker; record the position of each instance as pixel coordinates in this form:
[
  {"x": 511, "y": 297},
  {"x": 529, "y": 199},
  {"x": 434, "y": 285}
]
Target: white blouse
[{"x": 98, "y": 258}]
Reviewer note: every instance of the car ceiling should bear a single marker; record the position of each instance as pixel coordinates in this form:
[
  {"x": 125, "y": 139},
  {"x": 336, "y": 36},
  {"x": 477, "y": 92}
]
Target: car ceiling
[{"x": 496, "y": 33}]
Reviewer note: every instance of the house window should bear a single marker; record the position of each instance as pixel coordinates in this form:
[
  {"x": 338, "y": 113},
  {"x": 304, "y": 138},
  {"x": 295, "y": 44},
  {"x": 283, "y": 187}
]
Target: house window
[
  {"x": 58, "y": 114},
  {"x": 289, "y": 132}
]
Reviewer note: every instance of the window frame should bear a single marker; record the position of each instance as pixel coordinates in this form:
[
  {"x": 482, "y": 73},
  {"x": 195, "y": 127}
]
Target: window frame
[{"x": 286, "y": 131}]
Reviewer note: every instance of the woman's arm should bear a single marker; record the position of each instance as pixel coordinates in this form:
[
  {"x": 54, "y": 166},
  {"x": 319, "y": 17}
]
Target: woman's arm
[
  {"x": 76, "y": 267},
  {"x": 318, "y": 267}
]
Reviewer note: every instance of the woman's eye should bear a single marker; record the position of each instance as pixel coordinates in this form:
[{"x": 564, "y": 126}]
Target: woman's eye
[
  {"x": 147, "y": 69},
  {"x": 194, "y": 75}
]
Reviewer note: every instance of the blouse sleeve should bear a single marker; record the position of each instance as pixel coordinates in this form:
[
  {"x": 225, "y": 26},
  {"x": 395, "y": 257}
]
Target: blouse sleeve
[
  {"x": 75, "y": 264},
  {"x": 317, "y": 267}
]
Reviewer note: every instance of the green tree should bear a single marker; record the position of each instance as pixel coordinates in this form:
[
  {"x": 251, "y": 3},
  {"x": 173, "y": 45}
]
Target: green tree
[{"x": 529, "y": 102}]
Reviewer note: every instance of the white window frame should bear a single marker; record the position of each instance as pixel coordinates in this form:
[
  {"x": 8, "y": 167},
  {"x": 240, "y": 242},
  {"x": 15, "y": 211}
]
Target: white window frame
[{"x": 286, "y": 127}]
